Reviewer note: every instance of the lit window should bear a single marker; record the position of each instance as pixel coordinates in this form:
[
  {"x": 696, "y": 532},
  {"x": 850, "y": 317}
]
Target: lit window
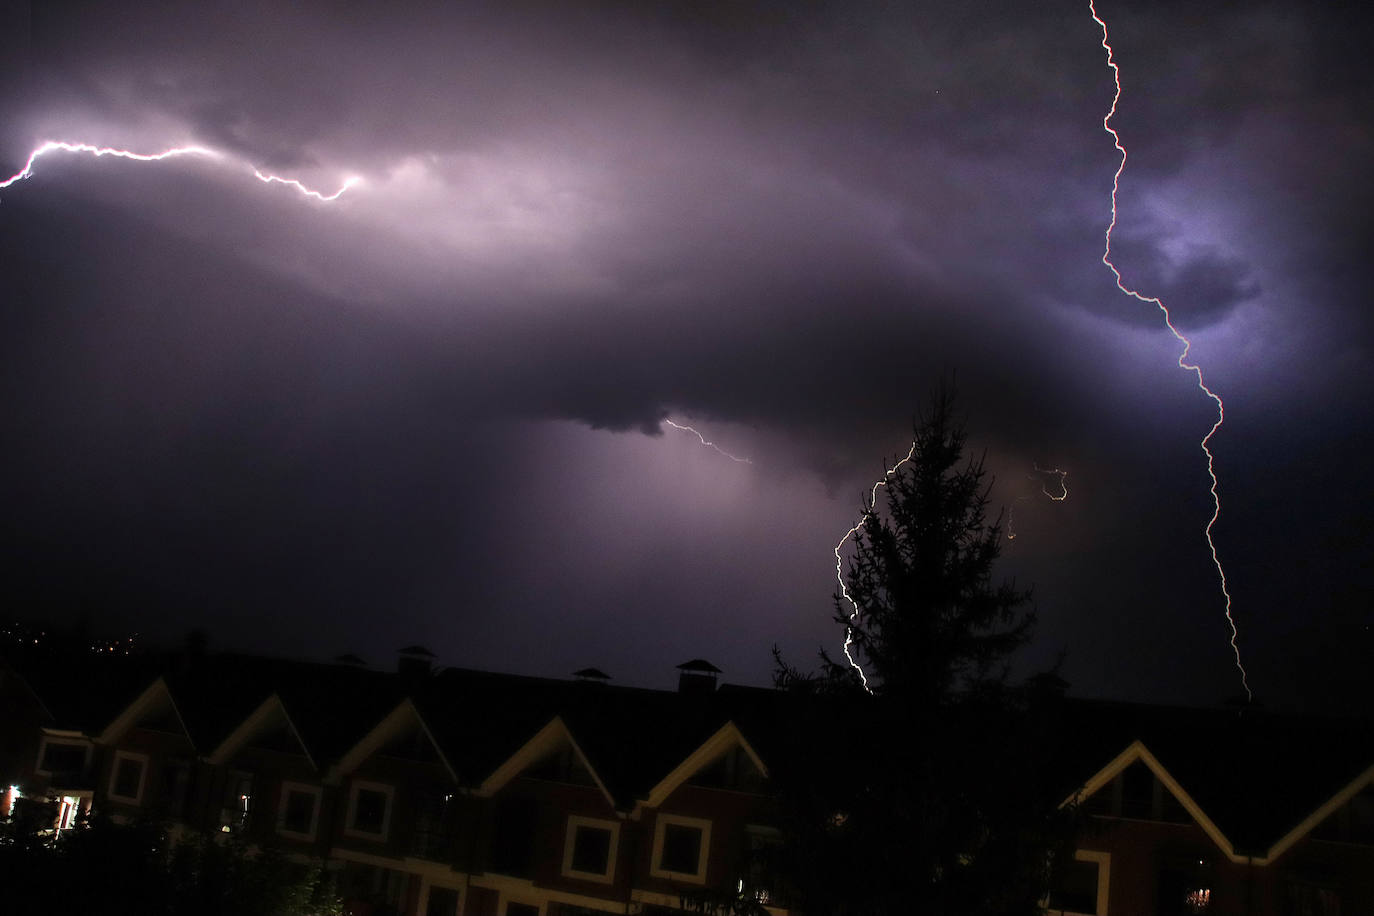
[
  {"x": 680, "y": 848},
  {"x": 238, "y": 802},
  {"x": 126, "y": 777},
  {"x": 298, "y": 815},
  {"x": 68, "y": 810},
  {"x": 589, "y": 849},
  {"x": 369, "y": 810}
]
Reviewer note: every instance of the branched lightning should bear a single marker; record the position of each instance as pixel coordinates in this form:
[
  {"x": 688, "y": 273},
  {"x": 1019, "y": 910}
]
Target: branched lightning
[
  {"x": 318, "y": 195},
  {"x": 706, "y": 442},
  {"x": 51, "y": 146},
  {"x": 839, "y": 565},
  {"x": 1183, "y": 362},
  {"x": 1053, "y": 472},
  {"x": 1043, "y": 473}
]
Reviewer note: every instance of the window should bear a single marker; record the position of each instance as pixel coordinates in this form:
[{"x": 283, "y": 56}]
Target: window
[
  {"x": 1185, "y": 888},
  {"x": 761, "y": 870},
  {"x": 589, "y": 849},
  {"x": 176, "y": 782},
  {"x": 299, "y": 812},
  {"x": 512, "y": 840},
  {"x": 1304, "y": 897},
  {"x": 1080, "y": 885},
  {"x": 69, "y": 809},
  {"x": 680, "y": 847},
  {"x": 126, "y": 777},
  {"x": 63, "y": 760},
  {"x": 369, "y": 810},
  {"x": 238, "y": 802},
  {"x": 443, "y": 901}
]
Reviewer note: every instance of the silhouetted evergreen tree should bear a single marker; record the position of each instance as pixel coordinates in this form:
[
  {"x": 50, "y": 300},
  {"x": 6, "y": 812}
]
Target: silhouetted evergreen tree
[{"x": 926, "y": 790}]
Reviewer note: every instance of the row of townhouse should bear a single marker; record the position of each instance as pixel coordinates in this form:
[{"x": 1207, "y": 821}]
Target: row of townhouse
[
  {"x": 431, "y": 794},
  {"x": 493, "y": 795}
]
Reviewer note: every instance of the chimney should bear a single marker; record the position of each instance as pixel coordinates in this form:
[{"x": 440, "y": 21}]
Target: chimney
[
  {"x": 591, "y": 676},
  {"x": 697, "y": 676}
]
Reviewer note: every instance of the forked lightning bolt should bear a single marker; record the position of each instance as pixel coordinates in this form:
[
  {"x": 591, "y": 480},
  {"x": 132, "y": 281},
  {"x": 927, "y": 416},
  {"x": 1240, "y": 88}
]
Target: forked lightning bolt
[
  {"x": 1183, "y": 362},
  {"x": 706, "y": 442},
  {"x": 52, "y": 146},
  {"x": 839, "y": 566}
]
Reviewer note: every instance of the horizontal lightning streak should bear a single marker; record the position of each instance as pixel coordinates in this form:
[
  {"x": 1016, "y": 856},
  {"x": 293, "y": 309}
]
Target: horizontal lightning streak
[
  {"x": 51, "y": 146},
  {"x": 318, "y": 195},
  {"x": 1187, "y": 344},
  {"x": 56, "y": 145},
  {"x": 839, "y": 565},
  {"x": 704, "y": 441}
]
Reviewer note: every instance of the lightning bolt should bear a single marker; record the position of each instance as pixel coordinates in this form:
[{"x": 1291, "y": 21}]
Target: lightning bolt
[
  {"x": 704, "y": 441},
  {"x": 839, "y": 565},
  {"x": 52, "y": 146},
  {"x": 1044, "y": 488},
  {"x": 1053, "y": 472},
  {"x": 1183, "y": 362}
]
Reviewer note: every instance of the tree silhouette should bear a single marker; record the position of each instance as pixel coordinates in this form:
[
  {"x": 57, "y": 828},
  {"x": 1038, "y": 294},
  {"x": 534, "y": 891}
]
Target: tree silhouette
[{"x": 928, "y": 794}]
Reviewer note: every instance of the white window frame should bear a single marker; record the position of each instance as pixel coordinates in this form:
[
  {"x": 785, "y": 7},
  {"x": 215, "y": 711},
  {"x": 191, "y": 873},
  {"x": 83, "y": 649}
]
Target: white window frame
[
  {"x": 661, "y": 824},
  {"x": 120, "y": 756},
  {"x": 569, "y": 847},
  {"x": 1104, "y": 874},
  {"x": 360, "y": 785},
  {"x": 70, "y": 742},
  {"x": 504, "y": 903},
  {"x": 304, "y": 789},
  {"x": 427, "y": 887}
]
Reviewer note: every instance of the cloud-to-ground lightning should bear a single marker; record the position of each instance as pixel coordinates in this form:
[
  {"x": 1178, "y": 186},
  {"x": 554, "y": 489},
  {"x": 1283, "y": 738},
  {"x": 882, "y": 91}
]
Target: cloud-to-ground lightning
[
  {"x": 839, "y": 565},
  {"x": 1183, "y": 362},
  {"x": 706, "y": 442},
  {"x": 52, "y": 146}
]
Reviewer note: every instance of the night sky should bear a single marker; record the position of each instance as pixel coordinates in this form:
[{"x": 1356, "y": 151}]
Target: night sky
[{"x": 433, "y": 411}]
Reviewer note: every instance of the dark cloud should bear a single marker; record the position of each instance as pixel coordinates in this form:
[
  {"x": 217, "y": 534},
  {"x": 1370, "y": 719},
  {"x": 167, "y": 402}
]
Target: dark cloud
[{"x": 433, "y": 411}]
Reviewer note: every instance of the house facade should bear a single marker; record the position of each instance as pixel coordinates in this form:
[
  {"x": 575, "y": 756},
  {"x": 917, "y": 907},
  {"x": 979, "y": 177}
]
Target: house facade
[
  {"x": 426, "y": 794},
  {"x": 491, "y": 795}
]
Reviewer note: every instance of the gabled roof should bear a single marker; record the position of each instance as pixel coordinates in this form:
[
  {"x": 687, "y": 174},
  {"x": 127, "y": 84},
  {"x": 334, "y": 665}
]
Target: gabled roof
[
  {"x": 1138, "y": 752},
  {"x": 87, "y": 697},
  {"x": 155, "y": 693},
  {"x": 395, "y": 724},
  {"x": 1256, "y": 782},
  {"x": 547, "y": 740},
  {"x": 1332, "y": 804},
  {"x": 270, "y": 711},
  {"x": 727, "y": 737}
]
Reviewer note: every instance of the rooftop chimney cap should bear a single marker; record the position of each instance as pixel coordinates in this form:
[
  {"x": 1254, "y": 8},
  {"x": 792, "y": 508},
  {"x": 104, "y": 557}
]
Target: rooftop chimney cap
[
  {"x": 699, "y": 665},
  {"x": 419, "y": 651},
  {"x": 348, "y": 658},
  {"x": 591, "y": 674}
]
